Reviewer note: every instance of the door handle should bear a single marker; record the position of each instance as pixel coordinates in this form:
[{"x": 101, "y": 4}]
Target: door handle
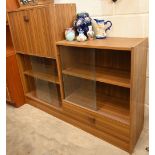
[
  {"x": 26, "y": 19},
  {"x": 92, "y": 120}
]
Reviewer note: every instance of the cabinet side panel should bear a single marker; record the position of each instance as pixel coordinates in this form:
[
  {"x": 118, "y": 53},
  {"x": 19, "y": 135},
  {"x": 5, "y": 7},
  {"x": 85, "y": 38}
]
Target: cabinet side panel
[
  {"x": 8, "y": 98},
  {"x": 138, "y": 78},
  {"x": 11, "y": 5},
  {"x": 13, "y": 81},
  {"x": 64, "y": 17}
]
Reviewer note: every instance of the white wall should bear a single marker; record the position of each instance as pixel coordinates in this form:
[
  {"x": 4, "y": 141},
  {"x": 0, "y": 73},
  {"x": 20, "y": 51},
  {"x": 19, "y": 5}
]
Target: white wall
[{"x": 129, "y": 18}]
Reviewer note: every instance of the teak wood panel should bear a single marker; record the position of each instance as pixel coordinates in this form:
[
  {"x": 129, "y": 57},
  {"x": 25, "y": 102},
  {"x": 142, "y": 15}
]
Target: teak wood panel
[
  {"x": 14, "y": 89},
  {"x": 38, "y": 2},
  {"x": 13, "y": 80},
  {"x": 42, "y": 76},
  {"x": 9, "y": 44},
  {"x": 101, "y": 74},
  {"x": 64, "y": 15},
  {"x": 12, "y": 5},
  {"x": 104, "y": 124},
  {"x": 113, "y": 43},
  {"x": 138, "y": 79},
  {"x": 68, "y": 15},
  {"x": 8, "y": 97},
  {"x": 62, "y": 115},
  {"x": 33, "y": 31}
]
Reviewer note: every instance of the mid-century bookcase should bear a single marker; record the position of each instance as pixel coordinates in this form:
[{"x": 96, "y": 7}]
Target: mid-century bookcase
[
  {"x": 98, "y": 86},
  {"x": 104, "y": 86}
]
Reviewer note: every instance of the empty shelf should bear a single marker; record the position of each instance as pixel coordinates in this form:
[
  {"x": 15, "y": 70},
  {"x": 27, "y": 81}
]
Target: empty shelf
[
  {"x": 44, "y": 97},
  {"x": 110, "y": 76},
  {"x": 42, "y": 76}
]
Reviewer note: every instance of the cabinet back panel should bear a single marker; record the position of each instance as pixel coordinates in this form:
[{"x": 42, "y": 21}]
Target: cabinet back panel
[
  {"x": 118, "y": 60},
  {"x": 113, "y": 91},
  {"x": 38, "y": 64},
  {"x": 113, "y": 59}
]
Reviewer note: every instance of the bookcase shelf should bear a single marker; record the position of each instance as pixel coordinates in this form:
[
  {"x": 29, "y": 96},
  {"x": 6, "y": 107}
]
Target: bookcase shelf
[
  {"x": 111, "y": 76},
  {"x": 114, "y": 43},
  {"x": 42, "y": 76},
  {"x": 43, "y": 91},
  {"x": 46, "y": 97}
]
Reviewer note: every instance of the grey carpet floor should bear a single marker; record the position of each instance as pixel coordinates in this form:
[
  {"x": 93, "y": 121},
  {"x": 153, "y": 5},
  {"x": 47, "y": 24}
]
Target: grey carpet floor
[{"x": 31, "y": 131}]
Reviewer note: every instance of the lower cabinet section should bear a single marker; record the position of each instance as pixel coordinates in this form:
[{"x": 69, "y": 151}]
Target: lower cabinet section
[
  {"x": 103, "y": 128},
  {"x": 114, "y": 128}
]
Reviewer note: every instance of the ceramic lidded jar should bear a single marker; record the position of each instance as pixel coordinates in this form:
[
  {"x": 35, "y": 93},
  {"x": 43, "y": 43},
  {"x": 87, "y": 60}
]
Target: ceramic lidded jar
[{"x": 69, "y": 34}]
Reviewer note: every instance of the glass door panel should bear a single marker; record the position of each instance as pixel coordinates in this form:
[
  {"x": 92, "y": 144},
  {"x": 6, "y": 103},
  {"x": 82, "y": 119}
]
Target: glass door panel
[
  {"x": 78, "y": 70},
  {"x": 43, "y": 91},
  {"x": 41, "y": 79}
]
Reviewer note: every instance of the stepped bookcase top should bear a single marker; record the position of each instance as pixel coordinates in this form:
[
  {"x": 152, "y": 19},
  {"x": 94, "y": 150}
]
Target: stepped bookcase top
[{"x": 108, "y": 43}]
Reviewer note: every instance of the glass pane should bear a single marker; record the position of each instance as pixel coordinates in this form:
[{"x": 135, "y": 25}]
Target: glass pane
[
  {"x": 78, "y": 69},
  {"x": 41, "y": 79},
  {"x": 46, "y": 92}
]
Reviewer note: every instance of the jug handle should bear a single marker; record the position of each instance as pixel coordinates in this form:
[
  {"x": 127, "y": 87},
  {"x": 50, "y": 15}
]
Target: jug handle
[{"x": 108, "y": 28}]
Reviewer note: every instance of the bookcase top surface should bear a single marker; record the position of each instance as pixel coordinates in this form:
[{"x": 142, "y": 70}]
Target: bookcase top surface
[
  {"x": 27, "y": 7},
  {"x": 113, "y": 43}
]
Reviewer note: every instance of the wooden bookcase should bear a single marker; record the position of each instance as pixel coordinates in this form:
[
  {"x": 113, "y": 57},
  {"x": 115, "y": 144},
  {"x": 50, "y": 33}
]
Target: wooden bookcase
[
  {"x": 98, "y": 86},
  {"x": 103, "y": 85}
]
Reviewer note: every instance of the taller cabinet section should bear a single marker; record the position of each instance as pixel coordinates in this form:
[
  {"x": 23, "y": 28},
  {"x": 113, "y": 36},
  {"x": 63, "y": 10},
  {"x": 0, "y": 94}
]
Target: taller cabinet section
[{"x": 34, "y": 29}]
